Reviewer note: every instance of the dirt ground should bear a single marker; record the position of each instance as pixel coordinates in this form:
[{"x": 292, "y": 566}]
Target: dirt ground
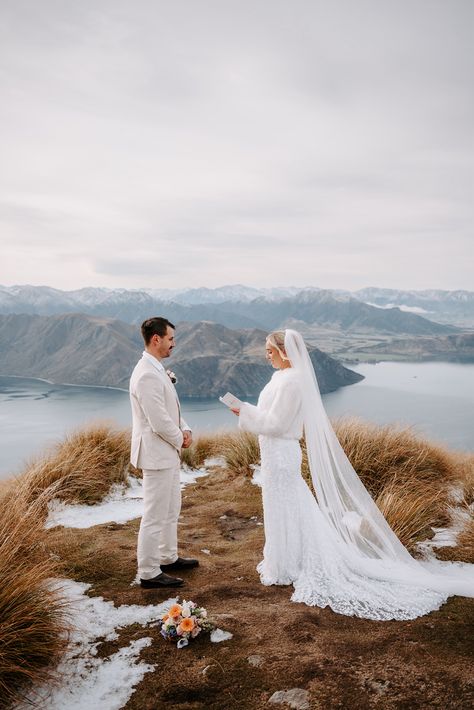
[{"x": 342, "y": 662}]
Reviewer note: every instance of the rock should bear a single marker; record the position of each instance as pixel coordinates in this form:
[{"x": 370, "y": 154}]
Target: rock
[
  {"x": 379, "y": 687},
  {"x": 255, "y": 661},
  {"x": 296, "y": 698}
]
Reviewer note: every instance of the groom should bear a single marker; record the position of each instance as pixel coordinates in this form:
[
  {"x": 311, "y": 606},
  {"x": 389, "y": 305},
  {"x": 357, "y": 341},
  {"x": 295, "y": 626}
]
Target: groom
[{"x": 158, "y": 435}]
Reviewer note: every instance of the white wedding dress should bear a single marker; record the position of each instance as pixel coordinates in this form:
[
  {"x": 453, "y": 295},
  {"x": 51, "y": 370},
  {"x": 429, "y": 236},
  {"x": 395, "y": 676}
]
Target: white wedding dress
[{"x": 305, "y": 547}]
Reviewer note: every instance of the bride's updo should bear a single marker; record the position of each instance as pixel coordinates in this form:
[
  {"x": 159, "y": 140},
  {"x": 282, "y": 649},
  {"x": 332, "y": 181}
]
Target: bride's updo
[{"x": 277, "y": 340}]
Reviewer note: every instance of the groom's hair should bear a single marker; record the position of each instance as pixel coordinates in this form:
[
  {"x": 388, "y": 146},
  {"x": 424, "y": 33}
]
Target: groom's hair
[{"x": 155, "y": 326}]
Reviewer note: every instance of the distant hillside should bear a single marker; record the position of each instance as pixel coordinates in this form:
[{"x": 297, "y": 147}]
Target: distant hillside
[
  {"x": 86, "y": 350},
  {"x": 327, "y": 309},
  {"x": 349, "y": 314},
  {"x": 452, "y": 348}
]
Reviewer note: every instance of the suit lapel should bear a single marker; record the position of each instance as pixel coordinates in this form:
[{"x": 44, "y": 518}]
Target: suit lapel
[{"x": 162, "y": 373}]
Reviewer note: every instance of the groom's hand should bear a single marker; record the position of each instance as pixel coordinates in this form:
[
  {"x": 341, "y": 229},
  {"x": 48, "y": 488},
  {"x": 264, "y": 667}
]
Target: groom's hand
[{"x": 187, "y": 439}]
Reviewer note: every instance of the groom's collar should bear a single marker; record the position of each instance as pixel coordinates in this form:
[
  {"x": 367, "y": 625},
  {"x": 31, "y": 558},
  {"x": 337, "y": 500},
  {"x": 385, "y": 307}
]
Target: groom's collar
[{"x": 156, "y": 363}]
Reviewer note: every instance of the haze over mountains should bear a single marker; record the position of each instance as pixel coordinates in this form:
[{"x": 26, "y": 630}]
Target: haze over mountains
[
  {"x": 89, "y": 350},
  {"x": 243, "y": 307}
]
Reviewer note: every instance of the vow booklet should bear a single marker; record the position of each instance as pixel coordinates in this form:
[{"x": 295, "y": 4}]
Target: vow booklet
[{"x": 230, "y": 401}]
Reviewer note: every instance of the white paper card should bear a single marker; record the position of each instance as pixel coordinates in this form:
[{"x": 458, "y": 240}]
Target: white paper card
[{"x": 230, "y": 401}]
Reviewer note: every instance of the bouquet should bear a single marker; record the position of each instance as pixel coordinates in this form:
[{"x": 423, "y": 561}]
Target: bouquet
[{"x": 184, "y": 622}]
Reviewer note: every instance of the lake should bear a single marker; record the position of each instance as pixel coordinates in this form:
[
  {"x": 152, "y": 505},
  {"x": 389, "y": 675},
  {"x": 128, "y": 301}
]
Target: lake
[{"x": 437, "y": 399}]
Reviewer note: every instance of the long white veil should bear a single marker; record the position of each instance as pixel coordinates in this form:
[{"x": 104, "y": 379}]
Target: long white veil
[{"x": 365, "y": 538}]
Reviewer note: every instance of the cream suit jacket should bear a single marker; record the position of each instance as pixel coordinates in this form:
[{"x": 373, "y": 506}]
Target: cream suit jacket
[{"x": 157, "y": 425}]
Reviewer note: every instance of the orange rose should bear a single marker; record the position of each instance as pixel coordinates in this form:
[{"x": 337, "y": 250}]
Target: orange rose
[
  {"x": 186, "y": 625},
  {"x": 175, "y": 610}
]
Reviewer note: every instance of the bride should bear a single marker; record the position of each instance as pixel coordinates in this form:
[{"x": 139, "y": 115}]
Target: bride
[{"x": 338, "y": 550}]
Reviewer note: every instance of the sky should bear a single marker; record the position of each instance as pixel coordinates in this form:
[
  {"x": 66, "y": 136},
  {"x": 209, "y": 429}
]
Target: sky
[{"x": 197, "y": 143}]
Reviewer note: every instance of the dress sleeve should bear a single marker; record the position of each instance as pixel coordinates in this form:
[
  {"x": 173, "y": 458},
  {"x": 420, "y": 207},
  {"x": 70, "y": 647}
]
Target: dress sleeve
[{"x": 274, "y": 421}]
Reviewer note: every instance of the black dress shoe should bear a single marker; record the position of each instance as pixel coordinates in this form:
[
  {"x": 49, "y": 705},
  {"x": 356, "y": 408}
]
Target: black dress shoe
[
  {"x": 161, "y": 580},
  {"x": 180, "y": 563}
]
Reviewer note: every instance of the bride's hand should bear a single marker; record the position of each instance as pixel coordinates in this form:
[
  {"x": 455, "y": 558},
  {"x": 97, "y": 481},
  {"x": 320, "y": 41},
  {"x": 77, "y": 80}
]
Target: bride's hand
[{"x": 236, "y": 411}]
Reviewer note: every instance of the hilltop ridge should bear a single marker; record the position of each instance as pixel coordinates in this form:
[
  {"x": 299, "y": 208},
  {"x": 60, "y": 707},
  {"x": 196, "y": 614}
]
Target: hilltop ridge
[{"x": 89, "y": 350}]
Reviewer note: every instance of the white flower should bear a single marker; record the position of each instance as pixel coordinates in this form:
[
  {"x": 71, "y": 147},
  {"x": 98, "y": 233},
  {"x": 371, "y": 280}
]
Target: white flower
[{"x": 186, "y": 611}]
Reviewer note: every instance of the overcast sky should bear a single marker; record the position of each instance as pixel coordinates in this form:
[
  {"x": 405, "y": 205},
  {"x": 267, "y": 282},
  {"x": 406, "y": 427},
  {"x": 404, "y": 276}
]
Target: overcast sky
[{"x": 194, "y": 142}]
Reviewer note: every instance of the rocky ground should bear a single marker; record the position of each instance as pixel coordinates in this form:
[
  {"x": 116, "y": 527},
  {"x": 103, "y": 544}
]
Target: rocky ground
[{"x": 277, "y": 646}]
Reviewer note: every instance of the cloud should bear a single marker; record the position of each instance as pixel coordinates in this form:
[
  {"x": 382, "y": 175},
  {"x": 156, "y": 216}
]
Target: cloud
[{"x": 302, "y": 143}]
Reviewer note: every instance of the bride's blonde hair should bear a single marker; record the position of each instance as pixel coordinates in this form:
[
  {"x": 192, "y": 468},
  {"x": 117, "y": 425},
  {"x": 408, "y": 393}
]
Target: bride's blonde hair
[{"x": 277, "y": 340}]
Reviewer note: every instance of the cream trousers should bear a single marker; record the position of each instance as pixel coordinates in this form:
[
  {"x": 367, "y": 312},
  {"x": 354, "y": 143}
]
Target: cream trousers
[{"x": 158, "y": 535}]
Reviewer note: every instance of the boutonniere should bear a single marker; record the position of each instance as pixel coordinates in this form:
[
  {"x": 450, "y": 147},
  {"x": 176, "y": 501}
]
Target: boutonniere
[{"x": 172, "y": 376}]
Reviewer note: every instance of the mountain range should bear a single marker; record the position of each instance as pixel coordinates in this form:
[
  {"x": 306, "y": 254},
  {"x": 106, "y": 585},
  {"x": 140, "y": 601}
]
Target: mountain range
[
  {"x": 242, "y": 307},
  {"x": 209, "y": 358}
]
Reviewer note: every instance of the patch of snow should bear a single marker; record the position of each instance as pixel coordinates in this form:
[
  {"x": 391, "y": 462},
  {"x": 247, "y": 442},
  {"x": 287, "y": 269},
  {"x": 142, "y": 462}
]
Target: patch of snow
[
  {"x": 446, "y": 537},
  {"x": 190, "y": 475},
  {"x": 86, "y": 681},
  {"x": 215, "y": 461},
  {"x": 407, "y": 309},
  {"x": 219, "y": 635},
  {"x": 124, "y": 502},
  {"x": 257, "y": 475},
  {"x": 206, "y": 552}
]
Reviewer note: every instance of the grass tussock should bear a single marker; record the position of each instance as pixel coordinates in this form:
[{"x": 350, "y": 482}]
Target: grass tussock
[
  {"x": 33, "y": 618},
  {"x": 410, "y": 478},
  {"x": 465, "y": 544},
  {"x": 382, "y": 455},
  {"x": 204, "y": 447},
  {"x": 32, "y": 613},
  {"x": 241, "y": 452},
  {"x": 239, "y": 449},
  {"x": 83, "y": 467}
]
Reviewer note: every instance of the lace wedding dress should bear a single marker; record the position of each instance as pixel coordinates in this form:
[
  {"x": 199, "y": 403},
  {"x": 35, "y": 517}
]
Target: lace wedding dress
[{"x": 337, "y": 551}]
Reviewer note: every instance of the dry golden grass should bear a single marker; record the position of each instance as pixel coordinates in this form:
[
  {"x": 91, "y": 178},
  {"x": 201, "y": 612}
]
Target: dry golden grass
[
  {"x": 466, "y": 477},
  {"x": 410, "y": 478},
  {"x": 32, "y": 614},
  {"x": 204, "y": 446},
  {"x": 464, "y": 551},
  {"x": 83, "y": 467},
  {"x": 412, "y": 511},
  {"x": 240, "y": 451},
  {"x": 383, "y": 454}
]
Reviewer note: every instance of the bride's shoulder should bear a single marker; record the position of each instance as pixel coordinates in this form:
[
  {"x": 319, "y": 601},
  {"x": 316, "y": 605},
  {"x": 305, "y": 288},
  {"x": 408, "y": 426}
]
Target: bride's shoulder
[{"x": 286, "y": 376}]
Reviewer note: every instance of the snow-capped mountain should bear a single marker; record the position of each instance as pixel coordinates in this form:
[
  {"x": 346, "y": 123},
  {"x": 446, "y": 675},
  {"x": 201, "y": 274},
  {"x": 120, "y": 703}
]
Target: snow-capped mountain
[
  {"x": 239, "y": 306},
  {"x": 455, "y": 307}
]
